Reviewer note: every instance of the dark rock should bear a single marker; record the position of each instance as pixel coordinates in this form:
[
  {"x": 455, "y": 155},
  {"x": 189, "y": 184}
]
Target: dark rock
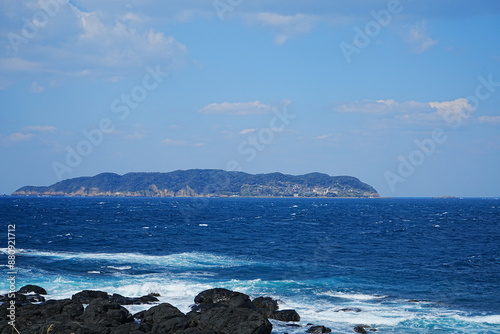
[
  {"x": 66, "y": 308},
  {"x": 266, "y": 305},
  {"x": 22, "y": 299},
  {"x": 223, "y": 297},
  {"x": 35, "y": 298},
  {"x": 319, "y": 330},
  {"x": 285, "y": 315},
  {"x": 127, "y": 329},
  {"x": 193, "y": 330},
  {"x": 148, "y": 299},
  {"x": 32, "y": 288},
  {"x": 361, "y": 329},
  {"x": 228, "y": 312},
  {"x": 355, "y": 309},
  {"x": 164, "y": 318},
  {"x": 87, "y": 296},
  {"x": 105, "y": 313},
  {"x": 231, "y": 320},
  {"x": 19, "y": 298},
  {"x": 139, "y": 315},
  {"x": 133, "y": 300},
  {"x": 60, "y": 314}
]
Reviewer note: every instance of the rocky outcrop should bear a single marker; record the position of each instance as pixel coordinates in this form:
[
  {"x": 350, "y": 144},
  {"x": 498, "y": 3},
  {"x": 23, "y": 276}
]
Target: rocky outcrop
[
  {"x": 318, "y": 330},
  {"x": 285, "y": 315},
  {"x": 216, "y": 311},
  {"x": 32, "y": 289},
  {"x": 226, "y": 312},
  {"x": 87, "y": 296}
]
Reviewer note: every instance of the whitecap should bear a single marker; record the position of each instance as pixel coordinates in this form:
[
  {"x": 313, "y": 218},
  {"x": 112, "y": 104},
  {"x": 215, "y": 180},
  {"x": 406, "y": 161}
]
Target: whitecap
[
  {"x": 119, "y": 268},
  {"x": 491, "y": 319},
  {"x": 184, "y": 260},
  {"x": 353, "y": 296}
]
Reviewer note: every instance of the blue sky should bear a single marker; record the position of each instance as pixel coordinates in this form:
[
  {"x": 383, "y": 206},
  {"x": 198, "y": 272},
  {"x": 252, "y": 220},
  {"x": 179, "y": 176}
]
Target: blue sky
[{"x": 404, "y": 95}]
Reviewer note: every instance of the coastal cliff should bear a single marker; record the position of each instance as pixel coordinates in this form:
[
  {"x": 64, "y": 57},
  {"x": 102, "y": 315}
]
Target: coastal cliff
[{"x": 206, "y": 183}]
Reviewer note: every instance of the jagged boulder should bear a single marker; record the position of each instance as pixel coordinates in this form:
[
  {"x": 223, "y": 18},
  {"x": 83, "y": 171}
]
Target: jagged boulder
[
  {"x": 87, "y": 296},
  {"x": 163, "y": 318},
  {"x": 32, "y": 289},
  {"x": 29, "y": 318},
  {"x": 224, "y": 297},
  {"x": 318, "y": 330},
  {"x": 230, "y": 320},
  {"x": 266, "y": 305},
  {"x": 133, "y": 300},
  {"x": 285, "y": 315},
  {"x": 105, "y": 313}
]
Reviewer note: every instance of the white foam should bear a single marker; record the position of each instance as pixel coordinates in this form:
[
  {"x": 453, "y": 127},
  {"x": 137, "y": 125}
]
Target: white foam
[
  {"x": 490, "y": 319},
  {"x": 184, "y": 260},
  {"x": 119, "y": 268},
  {"x": 352, "y": 296},
  {"x": 178, "y": 293}
]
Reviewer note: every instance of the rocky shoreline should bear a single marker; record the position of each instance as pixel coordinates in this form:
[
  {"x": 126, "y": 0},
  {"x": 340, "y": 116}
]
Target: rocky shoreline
[{"x": 215, "y": 311}]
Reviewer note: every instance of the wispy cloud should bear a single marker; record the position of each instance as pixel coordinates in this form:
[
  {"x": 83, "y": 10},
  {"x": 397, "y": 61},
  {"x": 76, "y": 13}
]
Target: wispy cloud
[
  {"x": 379, "y": 106},
  {"x": 247, "y": 131},
  {"x": 493, "y": 120},
  {"x": 40, "y": 128},
  {"x": 172, "y": 142},
  {"x": 418, "y": 38},
  {"x": 288, "y": 26},
  {"x": 239, "y": 108},
  {"x": 323, "y": 137},
  {"x": 19, "y": 137},
  {"x": 134, "y": 136},
  {"x": 37, "y": 88},
  {"x": 411, "y": 111}
]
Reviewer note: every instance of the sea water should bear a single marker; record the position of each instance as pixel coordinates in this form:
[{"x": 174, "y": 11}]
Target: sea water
[{"x": 397, "y": 265}]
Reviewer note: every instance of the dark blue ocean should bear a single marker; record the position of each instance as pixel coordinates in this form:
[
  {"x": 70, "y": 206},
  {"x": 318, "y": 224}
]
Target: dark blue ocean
[{"x": 409, "y": 265}]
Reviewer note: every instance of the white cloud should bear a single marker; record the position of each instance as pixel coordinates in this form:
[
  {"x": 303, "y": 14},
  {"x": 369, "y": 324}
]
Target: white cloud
[
  {"x": 124, "y": 41},
  {"x": 239, "y": 108},
  {"x": 134, "y": 136},
  {"x": 19, "y": 137},
  {"x": 493, "y": 120},
  {"x": 102, "y": 41},
  {"x": 323, "y": 137},
  {"x": 18, "y": 64},
  {"x": 418, "y": 38},
  {"x": 37, "y": 88},
  {"x": 288, "y": 25},
  {"x": 40, "y": 128},
  {"x": 247, "y": 131},
  {"x": 460, "y": 108},
  {"x": 380, "y": 106},
  {"x": 172, "y": 142},
  {"x": 411, "y": 111}
]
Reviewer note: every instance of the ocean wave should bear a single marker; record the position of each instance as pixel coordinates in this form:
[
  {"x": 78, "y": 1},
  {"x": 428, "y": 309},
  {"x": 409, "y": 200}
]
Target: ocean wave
[
  {"x": 490, "y": 319},
  {"x": 182, "y": 260},
  {"x": 353, "y": 296},
  {"x": 119, "y": 268}
]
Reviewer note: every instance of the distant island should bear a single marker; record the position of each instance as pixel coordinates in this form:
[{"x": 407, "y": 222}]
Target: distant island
[{"x": 205, "y": 183}]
